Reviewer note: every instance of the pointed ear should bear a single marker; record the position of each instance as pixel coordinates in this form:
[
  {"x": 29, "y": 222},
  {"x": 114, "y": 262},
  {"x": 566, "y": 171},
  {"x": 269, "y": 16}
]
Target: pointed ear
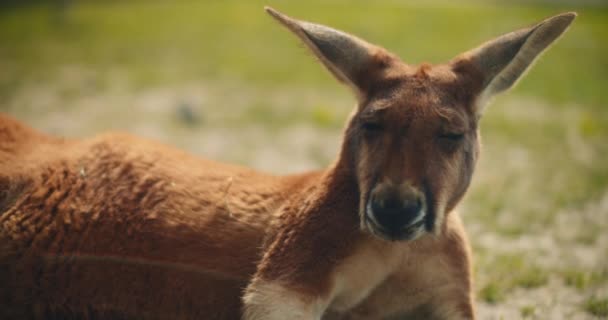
[
  {"x": 502, "y": 61},
  {"x": 346, "y": 56}
]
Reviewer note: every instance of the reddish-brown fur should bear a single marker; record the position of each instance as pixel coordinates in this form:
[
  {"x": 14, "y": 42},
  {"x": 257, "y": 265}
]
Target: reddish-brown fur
[
  {"x": 118, "y": 226},
  {"x": 78, "y": 213}
]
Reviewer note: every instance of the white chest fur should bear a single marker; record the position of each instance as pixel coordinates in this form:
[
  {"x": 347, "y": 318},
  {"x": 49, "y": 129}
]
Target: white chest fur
[{"x": 358, "y": 275}]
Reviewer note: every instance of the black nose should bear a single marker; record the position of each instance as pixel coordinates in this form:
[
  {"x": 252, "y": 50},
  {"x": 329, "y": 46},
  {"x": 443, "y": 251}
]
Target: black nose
[{"x": 396, "y": 210}]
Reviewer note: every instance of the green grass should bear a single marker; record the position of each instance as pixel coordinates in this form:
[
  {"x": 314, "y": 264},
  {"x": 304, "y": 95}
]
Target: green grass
[
  {"x": 532, "y": 278},
  {"x": 527, "y": 311},
  {"x": 507, "y": 272},
  {"x": 597, "y": 306},
  {"x": 155, "y": 42},
  {"x": 492, "y": 293},
  {"x": 584, "y": 279},
  {"x": 577, "y": 279}
]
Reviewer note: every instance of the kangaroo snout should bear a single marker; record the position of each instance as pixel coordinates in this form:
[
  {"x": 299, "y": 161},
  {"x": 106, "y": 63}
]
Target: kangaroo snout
[{"x": 396, "y": 208}]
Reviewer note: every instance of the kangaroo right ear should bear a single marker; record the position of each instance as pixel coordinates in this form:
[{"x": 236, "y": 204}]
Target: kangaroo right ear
[
  {"x": 347, "y": 57},
  {"x": 504, "y": 60}
]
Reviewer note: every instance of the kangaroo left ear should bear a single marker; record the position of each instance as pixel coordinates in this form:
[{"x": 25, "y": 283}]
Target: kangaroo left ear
[
  {"x": 502, "y": 61},
  {"x": 347, "y": 57}
]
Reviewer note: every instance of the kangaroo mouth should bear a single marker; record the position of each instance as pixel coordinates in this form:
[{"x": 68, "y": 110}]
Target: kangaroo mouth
[{"x": 408, "y": 232}]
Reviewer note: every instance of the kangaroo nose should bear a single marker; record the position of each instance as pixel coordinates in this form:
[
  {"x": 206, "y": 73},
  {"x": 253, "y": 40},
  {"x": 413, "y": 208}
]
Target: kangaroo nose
[{"x": 396, "y": 208}]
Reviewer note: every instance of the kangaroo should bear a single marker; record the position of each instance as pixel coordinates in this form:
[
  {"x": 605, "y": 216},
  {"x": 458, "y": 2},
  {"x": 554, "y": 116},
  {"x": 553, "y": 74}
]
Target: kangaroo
[{"x": 116, "y": 226}]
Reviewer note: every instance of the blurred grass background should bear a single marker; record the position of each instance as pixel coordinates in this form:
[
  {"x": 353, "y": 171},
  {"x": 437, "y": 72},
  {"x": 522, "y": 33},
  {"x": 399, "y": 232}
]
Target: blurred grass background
[{"x": 221, "y": 79}]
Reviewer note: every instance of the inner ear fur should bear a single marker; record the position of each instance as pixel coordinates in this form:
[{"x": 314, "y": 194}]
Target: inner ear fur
[
  {"x": 349, "y": 58},
  {"x": 502, "y": 61}
]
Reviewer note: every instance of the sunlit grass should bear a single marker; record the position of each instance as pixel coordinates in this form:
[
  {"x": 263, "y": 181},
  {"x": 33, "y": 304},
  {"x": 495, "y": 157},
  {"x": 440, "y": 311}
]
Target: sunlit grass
[
  {"x": 597, "y": 306},
  {"x": 159, "y": 41},
  {"x": 527, "y": 311}
]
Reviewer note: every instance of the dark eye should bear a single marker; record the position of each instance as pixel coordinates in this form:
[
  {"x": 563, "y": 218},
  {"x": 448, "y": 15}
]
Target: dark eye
[
  {"x": 372, "y": 126},
  {"x": 452, "y": 137}
]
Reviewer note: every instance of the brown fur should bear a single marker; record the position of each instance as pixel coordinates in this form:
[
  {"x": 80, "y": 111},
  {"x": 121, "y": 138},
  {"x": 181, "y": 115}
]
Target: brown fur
[
  {"x": 78, "y": 213},
  {"x": 118, "y": 226}
]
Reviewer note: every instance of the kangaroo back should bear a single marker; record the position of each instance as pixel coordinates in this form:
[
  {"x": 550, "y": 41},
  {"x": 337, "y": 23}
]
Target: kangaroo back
[
  {"x": 18, "y": 140},
  {"x": 16, "y": 143}
]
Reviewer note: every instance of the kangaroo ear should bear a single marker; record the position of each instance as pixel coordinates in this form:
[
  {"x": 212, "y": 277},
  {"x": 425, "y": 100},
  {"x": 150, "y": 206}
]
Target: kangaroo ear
[
  {"x": 346, "y": 56},
  {"x": 502, "y": 61}
]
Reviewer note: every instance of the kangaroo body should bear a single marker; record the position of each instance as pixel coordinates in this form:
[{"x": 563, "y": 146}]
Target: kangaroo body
[{"x": 119, "y": 226}]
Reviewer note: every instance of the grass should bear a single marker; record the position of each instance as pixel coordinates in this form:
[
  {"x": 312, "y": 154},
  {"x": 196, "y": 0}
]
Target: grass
[
  {"x": 510, "y": 271},
  {"x": 492, "y": 293},
  {"x": 597, "y": 306},
  {"x": 577, "y": 279},
  {"x": 532, "y": 278},
  {"x": 543, "y": 171},
  {"x": 173, "y": 41},
  {"x": 527, "y": 311},
  {"x": 585, "y": 279}
]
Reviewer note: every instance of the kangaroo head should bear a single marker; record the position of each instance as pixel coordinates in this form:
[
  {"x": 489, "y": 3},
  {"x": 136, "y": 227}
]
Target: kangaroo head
[{"x": 413, "y": 141}]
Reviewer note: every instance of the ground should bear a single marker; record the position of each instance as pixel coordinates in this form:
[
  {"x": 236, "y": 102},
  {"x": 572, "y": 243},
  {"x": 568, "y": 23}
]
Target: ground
[{"x": 223, "y": 81}]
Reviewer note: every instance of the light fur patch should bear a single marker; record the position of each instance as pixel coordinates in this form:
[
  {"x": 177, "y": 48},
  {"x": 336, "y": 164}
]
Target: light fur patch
[
  {"x": 357, "y": 276},
  {"x": 273, "y": 301},
  {"x": 440, "y": 214}
]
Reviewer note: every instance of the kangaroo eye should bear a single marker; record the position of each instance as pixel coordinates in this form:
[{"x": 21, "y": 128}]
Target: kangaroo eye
[
  {"x": 372, "y": 126},
  {"x": 454, "y": 137}
]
